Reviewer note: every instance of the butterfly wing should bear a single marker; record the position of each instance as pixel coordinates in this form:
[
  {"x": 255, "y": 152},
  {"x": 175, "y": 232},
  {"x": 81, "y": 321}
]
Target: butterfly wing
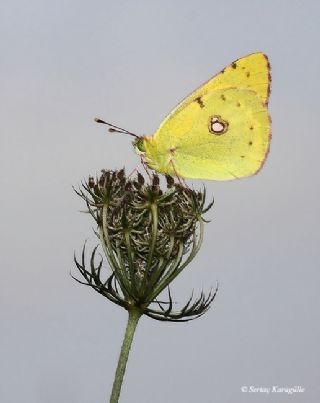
[
  {"x": 226, "y": 136},
  {"x": 184, "y": 145},
  {"x": 251, "y": 72}
]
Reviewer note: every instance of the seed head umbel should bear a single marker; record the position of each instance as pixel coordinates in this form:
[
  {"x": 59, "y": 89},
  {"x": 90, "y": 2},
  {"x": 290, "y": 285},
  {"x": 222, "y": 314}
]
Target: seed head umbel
[{"x": 149, "y": 233}]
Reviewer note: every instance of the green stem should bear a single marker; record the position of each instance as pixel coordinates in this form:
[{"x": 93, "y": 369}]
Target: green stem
[
  {"x": 134, "y": 316},
  {"x": 154, "y": 215}
]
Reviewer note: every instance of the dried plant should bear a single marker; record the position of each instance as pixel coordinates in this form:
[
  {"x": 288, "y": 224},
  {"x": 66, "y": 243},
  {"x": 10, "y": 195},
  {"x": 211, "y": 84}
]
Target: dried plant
[{"x": 148, "y": 235}]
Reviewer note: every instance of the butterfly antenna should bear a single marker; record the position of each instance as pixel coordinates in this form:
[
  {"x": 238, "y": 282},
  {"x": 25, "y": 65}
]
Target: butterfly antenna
[{"x": 115, "y": 129}]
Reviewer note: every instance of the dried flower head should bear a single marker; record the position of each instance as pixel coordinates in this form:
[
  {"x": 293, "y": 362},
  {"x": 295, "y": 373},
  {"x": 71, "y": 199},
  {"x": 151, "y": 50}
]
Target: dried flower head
[{"x": 148, "y": 235}]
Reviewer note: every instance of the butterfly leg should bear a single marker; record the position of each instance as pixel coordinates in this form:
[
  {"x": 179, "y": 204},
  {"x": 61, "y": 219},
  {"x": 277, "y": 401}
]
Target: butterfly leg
[
  {"x": 145, "y": 166},
  {"x": 134, "y": 170},
  {"x": 180, "y": 179}
]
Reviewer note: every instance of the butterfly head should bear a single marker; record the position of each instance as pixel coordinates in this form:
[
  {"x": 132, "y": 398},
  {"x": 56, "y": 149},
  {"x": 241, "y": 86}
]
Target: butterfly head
[{"x": 139, "y": 146}]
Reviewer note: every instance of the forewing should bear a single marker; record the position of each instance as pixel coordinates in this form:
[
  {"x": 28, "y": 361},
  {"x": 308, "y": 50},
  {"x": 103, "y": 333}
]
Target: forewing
[
  {"x": 197, "y": 151},
  {"x": 250, "y": 72}
]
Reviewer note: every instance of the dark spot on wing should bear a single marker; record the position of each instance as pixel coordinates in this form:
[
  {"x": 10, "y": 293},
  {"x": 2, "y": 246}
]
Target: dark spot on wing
[
  {"x": 250, "y": 143},
  {"x": 199, "y": 101},
  {"x": 234, "y": 65},
  {"x": 223, "y": 97},
  {"x": 251, "y": 127},
  {"x": 242, "y": 156},
  {"x": 238, "y": 104},
  {"x": 248, "y": 74}
]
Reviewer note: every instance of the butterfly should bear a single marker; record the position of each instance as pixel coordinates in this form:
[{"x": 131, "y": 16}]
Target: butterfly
[{"x": 221, "y": 131}]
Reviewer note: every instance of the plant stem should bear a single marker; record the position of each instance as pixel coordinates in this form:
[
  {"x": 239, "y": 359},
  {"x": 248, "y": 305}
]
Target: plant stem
[{"x": 134, "y": 316}]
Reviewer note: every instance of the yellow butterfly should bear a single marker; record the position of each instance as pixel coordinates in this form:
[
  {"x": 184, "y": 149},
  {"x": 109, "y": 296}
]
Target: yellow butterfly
[{"x": 221, "y": 131}]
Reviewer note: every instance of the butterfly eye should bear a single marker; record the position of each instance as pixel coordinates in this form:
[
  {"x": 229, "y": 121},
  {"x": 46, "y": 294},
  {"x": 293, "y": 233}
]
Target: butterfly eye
[
  {"x": 139, "y": 145},
  {"x": 217, "y": 125}
]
